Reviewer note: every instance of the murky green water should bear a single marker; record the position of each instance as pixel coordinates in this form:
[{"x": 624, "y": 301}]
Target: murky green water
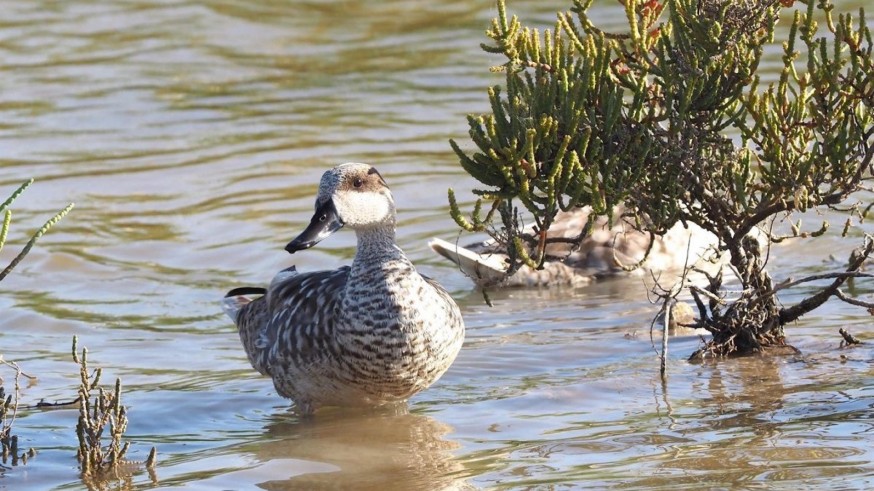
[{"x": 191, "y": 136}]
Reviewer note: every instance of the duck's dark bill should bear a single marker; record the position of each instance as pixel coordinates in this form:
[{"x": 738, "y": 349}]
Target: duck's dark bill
[{"x": 324, "y": 223}]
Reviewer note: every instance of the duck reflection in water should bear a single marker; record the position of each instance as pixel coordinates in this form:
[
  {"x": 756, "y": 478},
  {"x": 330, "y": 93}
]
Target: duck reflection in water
[{"x": 379, "y": 448}]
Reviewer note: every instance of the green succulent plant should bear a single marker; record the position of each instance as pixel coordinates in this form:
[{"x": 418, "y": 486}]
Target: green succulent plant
[{"x": 670, "y": 119}]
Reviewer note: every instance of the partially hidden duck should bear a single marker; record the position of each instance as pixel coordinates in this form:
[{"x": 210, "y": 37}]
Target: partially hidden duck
[{"x": 603, "y": 253}]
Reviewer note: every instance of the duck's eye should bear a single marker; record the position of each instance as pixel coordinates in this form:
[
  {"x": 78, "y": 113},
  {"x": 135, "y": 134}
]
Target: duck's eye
[{"x": 357, "y": 182}]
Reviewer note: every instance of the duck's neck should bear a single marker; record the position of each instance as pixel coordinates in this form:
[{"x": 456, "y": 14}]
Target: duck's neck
[{"x": 377, "y": 245}]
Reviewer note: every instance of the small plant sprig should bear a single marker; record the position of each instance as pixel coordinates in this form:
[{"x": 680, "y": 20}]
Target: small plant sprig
[
  {"x": 8, "y": 412},
  {"x": 95, "y": 412},
  {"x": 9, "y": 403},
  {"x": 7, "y": 220}
]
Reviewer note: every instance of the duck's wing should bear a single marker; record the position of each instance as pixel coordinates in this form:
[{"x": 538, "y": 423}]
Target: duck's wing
[
  {"x": 455, "y": 318},
  {"x": 299, "y": 323}
]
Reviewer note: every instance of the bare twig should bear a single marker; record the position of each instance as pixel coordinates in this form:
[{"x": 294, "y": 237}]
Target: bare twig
[
  {"x": 817, "y": 277},
  {"x": 8, "y": 411},
  {"x": 858, "y": 258},
  {"x": 664, "y": 356},
  {"x": 853, "y": 301},
  {"x": 42, "y": 405},
  {"x": 700, "y": 291}
]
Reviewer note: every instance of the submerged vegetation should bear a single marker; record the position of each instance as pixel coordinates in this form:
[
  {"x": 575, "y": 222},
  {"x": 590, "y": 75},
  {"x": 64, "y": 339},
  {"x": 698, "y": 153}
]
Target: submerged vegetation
[
  {"x": 9, "y": 403},
  {"x": 99, "y": 463},
  {"x": 670, "y": 119},
  {"x": 8, "y": 412}
]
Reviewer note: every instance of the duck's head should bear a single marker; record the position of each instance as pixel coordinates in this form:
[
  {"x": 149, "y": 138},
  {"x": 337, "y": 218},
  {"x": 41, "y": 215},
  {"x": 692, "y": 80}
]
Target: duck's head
[{"x": 352, "y": 195}]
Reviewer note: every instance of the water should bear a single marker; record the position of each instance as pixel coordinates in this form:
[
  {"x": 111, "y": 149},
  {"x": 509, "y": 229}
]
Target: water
[{"x": 191, "y": 137}]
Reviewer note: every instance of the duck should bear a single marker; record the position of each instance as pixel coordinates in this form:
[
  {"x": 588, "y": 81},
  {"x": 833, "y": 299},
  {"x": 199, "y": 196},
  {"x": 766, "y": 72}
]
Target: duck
[
  {"x": 578, "y": 263},
  {"x": 372, "y": 333}
]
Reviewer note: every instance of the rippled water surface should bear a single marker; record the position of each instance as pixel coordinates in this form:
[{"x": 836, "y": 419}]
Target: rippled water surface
[{"x": 191, "y": 136}]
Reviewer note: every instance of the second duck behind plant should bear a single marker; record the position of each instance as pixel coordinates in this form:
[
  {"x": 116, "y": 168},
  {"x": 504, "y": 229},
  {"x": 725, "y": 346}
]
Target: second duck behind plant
[{"x": 573, "y": 262}]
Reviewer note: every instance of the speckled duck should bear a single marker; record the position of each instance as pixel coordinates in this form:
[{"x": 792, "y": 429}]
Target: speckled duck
[{"x": 371, "y": 334}]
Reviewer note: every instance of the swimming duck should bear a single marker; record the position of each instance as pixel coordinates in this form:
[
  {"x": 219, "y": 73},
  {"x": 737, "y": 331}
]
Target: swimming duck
[
  {"x": 373, "y": 333},
  {"x": 599, "y": 255}
]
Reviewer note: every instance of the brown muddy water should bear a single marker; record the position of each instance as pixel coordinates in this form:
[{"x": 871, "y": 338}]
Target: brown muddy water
[{"x": 191, "y": 136}]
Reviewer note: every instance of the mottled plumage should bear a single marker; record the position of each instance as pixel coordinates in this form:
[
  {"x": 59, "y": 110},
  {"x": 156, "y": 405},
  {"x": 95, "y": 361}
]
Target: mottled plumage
[
  {"x": 600, "y": 254},
  {"x": 372, "y": 333}
]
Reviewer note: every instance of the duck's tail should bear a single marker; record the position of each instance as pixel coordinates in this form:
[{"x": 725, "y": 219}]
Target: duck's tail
[
  {"x": 249, "y": 315},
  {"x": 484, "y": 269},
  {"x": 237, "y": 298}
]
